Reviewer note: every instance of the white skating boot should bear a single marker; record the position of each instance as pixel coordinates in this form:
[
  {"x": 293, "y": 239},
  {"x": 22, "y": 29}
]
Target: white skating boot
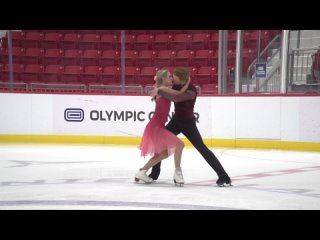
[
  {"x": 178, "y": 177},
  {"x": 142, "y": 175}
]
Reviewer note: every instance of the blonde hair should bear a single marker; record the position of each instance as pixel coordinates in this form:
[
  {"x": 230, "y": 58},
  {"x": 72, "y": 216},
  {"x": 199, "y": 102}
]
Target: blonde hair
[
  {"x": 160, "y": 75},
  {"x": 182, "y": 73}
]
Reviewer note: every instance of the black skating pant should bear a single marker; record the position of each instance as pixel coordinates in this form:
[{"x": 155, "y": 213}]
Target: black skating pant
[{"x": 189, "y": 129}]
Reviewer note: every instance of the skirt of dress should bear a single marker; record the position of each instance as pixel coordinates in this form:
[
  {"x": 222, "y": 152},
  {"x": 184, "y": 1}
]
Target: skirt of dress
[{"x": 157, "y": 139}]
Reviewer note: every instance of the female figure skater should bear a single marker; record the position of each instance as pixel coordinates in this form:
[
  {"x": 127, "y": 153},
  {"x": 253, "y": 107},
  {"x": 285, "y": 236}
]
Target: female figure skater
[
  {"x": 157, "y": 141},
  {"x": 183, "y": 121}
]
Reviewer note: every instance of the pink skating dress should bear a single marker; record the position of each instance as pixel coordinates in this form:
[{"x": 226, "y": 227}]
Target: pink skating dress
[{"x": 156, "y": 138}]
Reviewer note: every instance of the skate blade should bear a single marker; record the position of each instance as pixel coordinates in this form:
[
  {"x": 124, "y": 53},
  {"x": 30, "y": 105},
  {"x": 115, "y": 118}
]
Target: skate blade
[
  {"x": 138, "y": 179},
  {"x": 225, "y": 185},
  {"x": 178, "y": 184}
]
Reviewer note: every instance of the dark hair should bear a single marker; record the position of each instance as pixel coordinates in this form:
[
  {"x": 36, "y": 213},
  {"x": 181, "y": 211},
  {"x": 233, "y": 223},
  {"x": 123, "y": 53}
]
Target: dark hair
[{"x": 182, "y": 73}]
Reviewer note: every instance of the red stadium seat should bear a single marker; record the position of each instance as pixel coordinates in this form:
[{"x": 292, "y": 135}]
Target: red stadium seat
[
  {"x": 130, "y": 57},
  {"x": 32, "y": 39},
  {"x": 183, "y": 58},
  {"x": 156, "y": 32},
  {"x": 144, "y": 42},
  {"x": 250, "y": 39},
  {"x": 89, "y": 41},
  {"x": 164, "y": 58},
  {"x": 33, "y": 56},
  {"x": 17, "y": 55},
  {"x": 64, "y": 32},
  {"x": 247, "y": 58},
  {"x": 162, "y": 42},
  {"x": 145, "y": 58},
  {"x": 174, "y": 32},
  {"x": 214, "y": 40},
  {"x": 16, "y": 37},
  {"x": 181, "y": 42},
  {"x": 110, "y": 75},
  {"x": 265, "y": 38},
  {"x": 193, "y": 71},
  {"x": 86, "y": 32},
  {"x": 132, "y": 75},
  {"x": 200, "y": 41},
  {"x": 232, "y": 39},
  {"x": 101, "y": 32},
  {"x": 231, "y": 57},
  {"x": 206, "y": 75},
  {"x": 72, "y": 73},
  {"x": 129, "y": 42},
  {"x": 91, "y": 74},
  {"x": 52, "y": 56},
  {"x": 90, "y": 57},
  {"x": 71, "y": 41},
  {"x": 202, "y": 58},
  {"x": 49, "y": 31},
  {"x": 17, "y": 71},
  {"x": 32, "y": 73},
  {"x": 108, "y": 42},
  {"x": 71, "y": 57},
  {"x": 209, "y": 88},
  {"x": 51, "y": 40},
  {"x": 109, "y": 58},
  {"x": 52, "y": 73},
  {"x": 138, "y": 32},
  {"x": 147, "y": 75}
]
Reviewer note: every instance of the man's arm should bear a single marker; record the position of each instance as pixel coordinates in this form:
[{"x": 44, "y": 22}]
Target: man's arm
[{"x": 188, "y": 95}]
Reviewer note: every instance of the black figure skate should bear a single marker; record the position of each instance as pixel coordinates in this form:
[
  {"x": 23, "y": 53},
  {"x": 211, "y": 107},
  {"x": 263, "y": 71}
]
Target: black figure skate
[{"x": 224, "y": 180}]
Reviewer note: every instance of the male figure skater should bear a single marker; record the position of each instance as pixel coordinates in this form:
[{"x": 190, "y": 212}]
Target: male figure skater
[{"x": 184, "y": 122}]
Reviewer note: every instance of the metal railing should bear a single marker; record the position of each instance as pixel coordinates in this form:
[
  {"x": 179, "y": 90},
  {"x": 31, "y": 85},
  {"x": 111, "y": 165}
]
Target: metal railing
[
  {"x": 8, "y": 86},
  {"x": 263, "y": 55},
  {"x": 300, "y": 71},
  {"x": 304, "y": 71},
  {"x": 115, "y": 89},
  {"x": 46, "y": 87},
  {"x": 272, "y": 81}
]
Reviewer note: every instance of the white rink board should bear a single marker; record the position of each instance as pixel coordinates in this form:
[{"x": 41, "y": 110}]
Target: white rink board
[{"x": 220, "y": 117}]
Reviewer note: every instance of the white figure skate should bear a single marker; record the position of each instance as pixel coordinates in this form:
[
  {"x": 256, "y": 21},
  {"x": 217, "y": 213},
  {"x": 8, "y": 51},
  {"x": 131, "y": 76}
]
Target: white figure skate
[
  {"x": 178, "y": 177},
  {"x": 142, "y": 175}
]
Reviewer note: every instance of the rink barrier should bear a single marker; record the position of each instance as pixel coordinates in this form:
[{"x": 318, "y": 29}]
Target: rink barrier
[{"x": 121, "y": 140}]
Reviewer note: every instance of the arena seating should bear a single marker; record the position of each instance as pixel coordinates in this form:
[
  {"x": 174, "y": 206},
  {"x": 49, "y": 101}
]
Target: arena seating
[{"x": 94, "y": 56}]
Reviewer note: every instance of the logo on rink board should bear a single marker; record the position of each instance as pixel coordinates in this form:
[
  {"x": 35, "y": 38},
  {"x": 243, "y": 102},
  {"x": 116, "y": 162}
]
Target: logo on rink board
[
  {"x": 77, "y": 115},
  {"x": 96, "y": 115},
  {"x": 74, "y": 115}
]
